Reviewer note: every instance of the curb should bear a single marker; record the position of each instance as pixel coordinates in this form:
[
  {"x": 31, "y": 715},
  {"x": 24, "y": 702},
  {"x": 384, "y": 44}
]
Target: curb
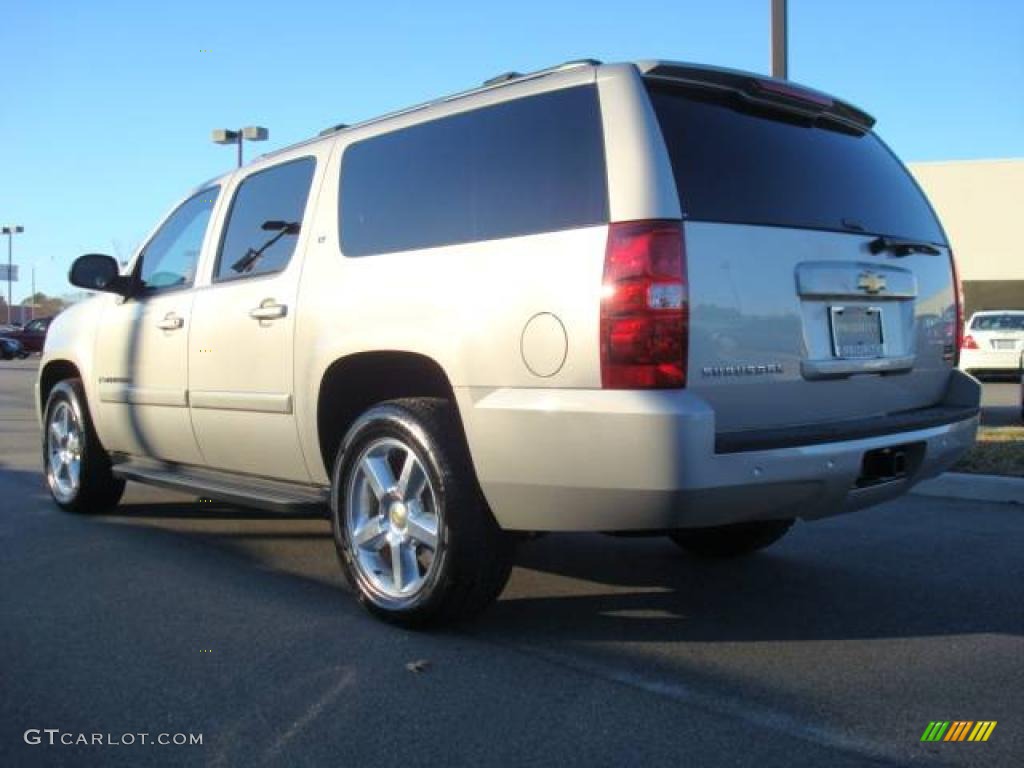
[{"x": 960, "y": 485}]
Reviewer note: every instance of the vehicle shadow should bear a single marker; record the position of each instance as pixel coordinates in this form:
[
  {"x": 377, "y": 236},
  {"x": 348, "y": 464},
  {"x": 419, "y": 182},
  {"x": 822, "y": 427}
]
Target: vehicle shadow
[
  {"x": 882, "y": 573},
  {"x": 854, "y": 577},
  {"x": 842, "y": 579}
]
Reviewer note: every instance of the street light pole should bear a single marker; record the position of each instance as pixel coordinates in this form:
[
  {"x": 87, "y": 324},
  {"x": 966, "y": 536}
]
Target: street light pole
[
  {"x": 249, "y": 133},
  {"x": 780, "y": 45},
  {"x": 10, "y": 231}
]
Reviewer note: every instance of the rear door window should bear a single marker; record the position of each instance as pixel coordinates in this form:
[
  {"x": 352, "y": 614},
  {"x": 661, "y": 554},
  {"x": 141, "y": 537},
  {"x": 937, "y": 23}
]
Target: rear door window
[
  {"x": 530, "y": 165},
  {"x": 735, "y": 163},
  {"x": 265, "y": 220}
]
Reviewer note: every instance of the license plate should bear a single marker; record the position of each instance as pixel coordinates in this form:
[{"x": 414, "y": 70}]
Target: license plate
[
  {"x": 1004, "y": 344},
  {"x": 856, "y": 331}
]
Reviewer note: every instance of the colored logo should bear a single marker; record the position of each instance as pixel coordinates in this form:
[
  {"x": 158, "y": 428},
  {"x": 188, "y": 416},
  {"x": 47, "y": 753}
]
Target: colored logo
[
  {"x": 958, "y": 730},
  {"x": 871, "y": 282}
]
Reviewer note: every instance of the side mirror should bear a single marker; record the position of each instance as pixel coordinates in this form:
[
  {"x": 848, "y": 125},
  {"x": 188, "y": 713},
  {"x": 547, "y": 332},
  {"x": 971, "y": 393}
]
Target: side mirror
[{"x": 99, "y": 272}]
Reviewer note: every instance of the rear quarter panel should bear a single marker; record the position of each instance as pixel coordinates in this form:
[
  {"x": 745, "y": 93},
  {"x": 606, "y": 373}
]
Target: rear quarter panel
[{"x": 464, "y": 306}]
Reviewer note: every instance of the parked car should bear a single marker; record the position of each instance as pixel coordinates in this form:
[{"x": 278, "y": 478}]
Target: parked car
[
  {"x": 33, "y": 335},
  {"x": 648, "y": 297},
  {"x": 11, "y": 349},
  {"x": 993, "y": 342}
]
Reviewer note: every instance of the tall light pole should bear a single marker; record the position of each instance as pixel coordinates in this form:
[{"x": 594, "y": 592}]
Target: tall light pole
[
  {"x": 780, "y": 45},
  {"x": 249, "y": 133},
  {"x": 10, "y": 231}
]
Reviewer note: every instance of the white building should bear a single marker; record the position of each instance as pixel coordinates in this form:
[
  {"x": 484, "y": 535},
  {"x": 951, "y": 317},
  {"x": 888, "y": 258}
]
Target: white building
[{"x": 981, "y": 205}]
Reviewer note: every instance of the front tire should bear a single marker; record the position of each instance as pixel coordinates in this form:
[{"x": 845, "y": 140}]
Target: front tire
[
  {"x": 734, "y": 540},
  {"x": 413, "y": 532},
  {"x": 76, "y": 466}
]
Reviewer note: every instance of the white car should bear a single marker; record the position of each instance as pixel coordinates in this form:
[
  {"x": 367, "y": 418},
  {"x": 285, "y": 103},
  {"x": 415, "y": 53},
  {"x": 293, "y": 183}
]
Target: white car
[
  {"x": 993, "y": 342},
  {"x": 648, "y": 297}
]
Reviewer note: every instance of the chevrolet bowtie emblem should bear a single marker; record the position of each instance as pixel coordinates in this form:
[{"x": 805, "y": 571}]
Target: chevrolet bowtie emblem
[{"x": 871, "y": 282}]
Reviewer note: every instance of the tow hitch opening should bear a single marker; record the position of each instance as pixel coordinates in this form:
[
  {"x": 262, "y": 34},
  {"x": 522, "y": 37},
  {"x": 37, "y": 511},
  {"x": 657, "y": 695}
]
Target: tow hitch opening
[{"x": 885, "y": 465}]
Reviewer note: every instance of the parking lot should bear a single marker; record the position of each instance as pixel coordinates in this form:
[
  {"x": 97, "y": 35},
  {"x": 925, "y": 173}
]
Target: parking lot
[{"x": 835, "y": 647}]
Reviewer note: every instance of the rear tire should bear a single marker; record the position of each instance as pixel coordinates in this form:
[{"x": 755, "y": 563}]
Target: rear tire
[
  {"x": 413, "y": 532},
  {"x": 76, "y": 466},
  {"x": 734, "y": 540}
]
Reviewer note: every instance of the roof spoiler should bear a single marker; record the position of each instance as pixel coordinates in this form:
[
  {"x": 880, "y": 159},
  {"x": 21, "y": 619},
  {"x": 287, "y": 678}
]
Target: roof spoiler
[{"x": 764, "y": 91}]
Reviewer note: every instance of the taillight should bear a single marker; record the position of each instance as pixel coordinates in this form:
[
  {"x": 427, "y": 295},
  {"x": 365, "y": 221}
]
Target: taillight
[
  {"x": 794, "y": 92},
  {"x": 645, "y": 308},
  {"x": 959, "y": 342}
]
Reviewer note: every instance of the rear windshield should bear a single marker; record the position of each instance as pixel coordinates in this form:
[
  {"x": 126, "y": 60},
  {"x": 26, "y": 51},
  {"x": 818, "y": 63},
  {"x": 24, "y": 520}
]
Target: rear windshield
[
  {"x": 734, "y": 163},
  {"x": 998, "y": 323}
]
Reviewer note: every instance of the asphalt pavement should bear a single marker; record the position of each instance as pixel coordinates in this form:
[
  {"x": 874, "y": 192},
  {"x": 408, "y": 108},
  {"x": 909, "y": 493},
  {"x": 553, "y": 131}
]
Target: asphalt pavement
[{"x": 836, "y": 647}]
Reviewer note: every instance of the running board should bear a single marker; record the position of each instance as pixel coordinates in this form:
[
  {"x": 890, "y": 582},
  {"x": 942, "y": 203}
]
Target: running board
[{"x": 243, "y": 490}]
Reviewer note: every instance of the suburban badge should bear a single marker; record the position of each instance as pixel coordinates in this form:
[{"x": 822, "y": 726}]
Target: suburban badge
[{"x": 741, "y": 370}]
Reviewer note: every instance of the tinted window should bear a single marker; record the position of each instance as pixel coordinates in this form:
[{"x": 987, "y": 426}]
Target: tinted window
[
  {"x": 265, "y": 219},
  {"x": 531, "y": 165},
  {"x": 1006, "y": 322},
  {"x": 738, "y": 165},
  {"x": 170, "y": 258}
]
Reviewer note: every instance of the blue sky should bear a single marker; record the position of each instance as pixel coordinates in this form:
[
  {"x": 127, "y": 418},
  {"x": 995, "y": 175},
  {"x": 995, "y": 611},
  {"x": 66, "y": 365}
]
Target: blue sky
[{"x": 107, "y": 106}]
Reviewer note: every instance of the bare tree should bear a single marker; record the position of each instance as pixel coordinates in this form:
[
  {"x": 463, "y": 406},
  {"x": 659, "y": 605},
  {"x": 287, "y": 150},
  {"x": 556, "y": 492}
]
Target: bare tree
[{"x": 121, "y": 253}]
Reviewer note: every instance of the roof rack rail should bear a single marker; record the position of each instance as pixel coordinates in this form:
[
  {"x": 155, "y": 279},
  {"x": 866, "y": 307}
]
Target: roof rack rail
[
  {"x": 505, "y": 77},
  {"x": 333, "y": 129}
]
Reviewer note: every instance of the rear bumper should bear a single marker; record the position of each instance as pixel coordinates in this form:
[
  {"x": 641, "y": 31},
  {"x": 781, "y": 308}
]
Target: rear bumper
[
  {"x": 991, "y": 360},
  {"x": 592, "y": 460}
]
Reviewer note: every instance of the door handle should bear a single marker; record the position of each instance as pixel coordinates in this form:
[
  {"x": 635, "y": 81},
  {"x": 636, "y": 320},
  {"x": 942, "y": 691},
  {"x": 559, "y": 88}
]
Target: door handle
[
  {"x": 268, "y": 310},
  {"x": 171, "y": 322}
]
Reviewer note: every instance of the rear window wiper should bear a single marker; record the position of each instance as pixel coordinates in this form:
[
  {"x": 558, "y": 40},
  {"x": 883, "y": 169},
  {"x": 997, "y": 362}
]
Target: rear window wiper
[{"x": 901, "y": 247}]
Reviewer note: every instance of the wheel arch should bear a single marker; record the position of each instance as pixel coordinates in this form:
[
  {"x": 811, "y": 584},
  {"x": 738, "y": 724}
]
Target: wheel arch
[
  {"x": 355, "y": 382},
  {"x": 50, "y": 374}
]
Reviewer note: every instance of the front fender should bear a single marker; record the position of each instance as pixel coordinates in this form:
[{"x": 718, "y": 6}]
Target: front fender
[{"x": 71, "y": 338}]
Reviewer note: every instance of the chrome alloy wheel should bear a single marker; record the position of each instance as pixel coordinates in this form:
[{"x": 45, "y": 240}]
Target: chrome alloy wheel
[
  {"x": 392, "y": 519},
  {"x": 64, "y": 442}
]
